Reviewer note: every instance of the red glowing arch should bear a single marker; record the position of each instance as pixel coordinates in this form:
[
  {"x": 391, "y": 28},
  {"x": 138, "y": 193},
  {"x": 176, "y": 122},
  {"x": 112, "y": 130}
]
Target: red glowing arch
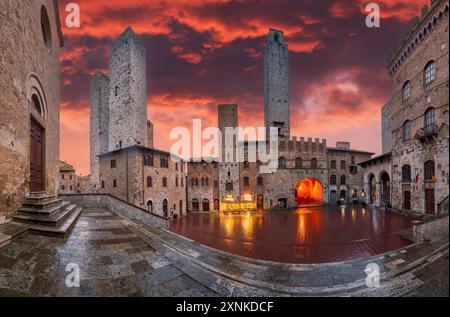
[{"x": 309, "y": 192}]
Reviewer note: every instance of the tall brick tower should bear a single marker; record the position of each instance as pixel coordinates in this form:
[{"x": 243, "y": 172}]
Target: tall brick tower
[
  {"x": 228, "y": 165},
  {"x": 128, "y": 92},
  {"x": 99, "y": 123},
  {"x": 276, "y": 83}
]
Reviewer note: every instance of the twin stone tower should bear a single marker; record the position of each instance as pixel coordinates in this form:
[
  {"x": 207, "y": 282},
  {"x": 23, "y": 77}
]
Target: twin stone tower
[{"x": 118, "y": 103}]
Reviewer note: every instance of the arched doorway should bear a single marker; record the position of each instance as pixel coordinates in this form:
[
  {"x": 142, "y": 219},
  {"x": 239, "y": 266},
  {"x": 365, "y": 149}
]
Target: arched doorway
[
  {"x": 205, "y": 205},
  {"x": 165, "y": 208},
  {"x": 309, "y": 191},
  {"x": 385, "y": 188},
  {"x": 372, "y": 188},
  {"x": 195, "y": 205},
  {"x": 260, "y": 201},
  {"x": 150, "y": 206},
  {"x": 333, "y": 197}
]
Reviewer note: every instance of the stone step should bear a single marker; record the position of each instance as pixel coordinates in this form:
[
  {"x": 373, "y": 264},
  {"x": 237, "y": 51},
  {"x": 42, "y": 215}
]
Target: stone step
[
  {"x": 9, "y": 232},
  {"x": 63, "y": 228},
  {"x": 41, "y": 203},
  {"x": 37, "y": 210},
  {"x": 39, "y": 195},
  {"x": 52, "y": 219}
]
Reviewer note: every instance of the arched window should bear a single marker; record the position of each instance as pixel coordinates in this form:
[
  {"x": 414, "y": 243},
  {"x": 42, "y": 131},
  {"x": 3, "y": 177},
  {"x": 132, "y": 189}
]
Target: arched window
[
  {"x": 36, "y": 104},
  {"x": 282, "y": 163},
  {"x": 164, "y": 181},
  {"x": 429, "y": 170},
  {"x": 149, "y": 181},
  {"x": 429, "y": 122},
  {"x": 150, "y": 206},
  {"x": 260, "y": 181},
  {"x": 246, "y": 181},
  {"x": 298, "y": 162},
  {"x": 176, "y": 181},
  {"x": 343, "y": 179},
  {"x": 406, "y": 131},
  {"x": 46, "y": 29},
  {"x": 333, "y": 180},
  {"x": 343, "y": 165},
  {"x": 429, "y": 74},
  {"x": 164, "y": 163},
  {"x": 406, "y": 173},
  {"x": 406, "y": 91},
  {"x": 333, "y": 164}
]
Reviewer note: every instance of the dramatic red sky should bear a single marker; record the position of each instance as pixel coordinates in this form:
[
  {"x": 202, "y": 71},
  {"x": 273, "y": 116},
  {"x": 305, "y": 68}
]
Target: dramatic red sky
[{"x": 201, "y": 53}]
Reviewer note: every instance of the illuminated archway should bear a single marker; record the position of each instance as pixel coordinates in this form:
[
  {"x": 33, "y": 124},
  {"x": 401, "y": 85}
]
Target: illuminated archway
[{"x": 309, "y": 191}]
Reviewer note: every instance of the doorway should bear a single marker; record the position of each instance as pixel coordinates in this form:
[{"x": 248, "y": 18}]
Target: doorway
[
  {"x": 260, "y": 201},
  {"x": 429, "y": 201},
  {"x": 37, "y": 134},
  {"x": 333, "y": 197},
  {"x": 407, "y": 200},
  {"x": 205, "y": 205}
]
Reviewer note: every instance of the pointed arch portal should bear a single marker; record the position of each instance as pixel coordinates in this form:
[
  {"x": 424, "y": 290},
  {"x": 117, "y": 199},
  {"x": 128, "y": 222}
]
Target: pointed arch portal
[{"x": 309, "y": 192}]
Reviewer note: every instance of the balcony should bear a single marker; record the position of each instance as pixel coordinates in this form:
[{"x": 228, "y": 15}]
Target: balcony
[{"x": 427, "y": 132}]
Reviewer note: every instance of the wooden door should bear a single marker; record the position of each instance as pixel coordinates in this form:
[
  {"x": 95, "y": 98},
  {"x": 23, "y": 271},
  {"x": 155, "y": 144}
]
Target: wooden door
[
  {"x": 429, "y": 201},
  {"x": 36, "y": 157},
  {"x": 407, "y": 200},
  {"x": 260, "y": 202}
]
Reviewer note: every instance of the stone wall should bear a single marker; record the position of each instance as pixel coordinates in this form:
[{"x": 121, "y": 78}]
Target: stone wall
[
  {"x": 99, "y": 123},
  {"x": 128, "y": 92},
  {"x": 29, "y": 66},
  {"x": 117, "y": 206},
  {"x": 386, "y": 128},
  {"x": 431, "y": 230},
  {"x": 203, "y": 183},
  {"x": 276, "y": 83},
  {"x": 419, "y": 147},
  {"x": 130, "y": 175}
]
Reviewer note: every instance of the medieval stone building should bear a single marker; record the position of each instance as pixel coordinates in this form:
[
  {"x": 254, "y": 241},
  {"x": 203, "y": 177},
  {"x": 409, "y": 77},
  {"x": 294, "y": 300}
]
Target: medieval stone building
[
  {"x": 67, "y": 178},
  {"x": 308, "y": 173},
  {"x": 123, "y": 162},
  {"x": 30, "y": 42},
  {"x": 412, "y": 174}
]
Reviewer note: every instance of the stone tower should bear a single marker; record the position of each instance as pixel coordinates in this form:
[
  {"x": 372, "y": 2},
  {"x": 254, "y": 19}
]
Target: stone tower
[
  {"x": 228, "y": 165},
  {"x": 128, "y": 92},
  {"x": 276, "y": 83},
  {"x": 99, "y": 123}
]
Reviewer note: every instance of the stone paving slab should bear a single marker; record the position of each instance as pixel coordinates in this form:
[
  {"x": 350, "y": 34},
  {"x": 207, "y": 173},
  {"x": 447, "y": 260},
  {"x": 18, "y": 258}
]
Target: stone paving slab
[{"x": 118, "y": 257}]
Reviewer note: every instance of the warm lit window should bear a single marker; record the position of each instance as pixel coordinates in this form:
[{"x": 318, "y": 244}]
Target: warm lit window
[
  {"x": 406, "y": 131},
  {"x": 406, "y": 92},
  {"x": 429, "y": 73}
]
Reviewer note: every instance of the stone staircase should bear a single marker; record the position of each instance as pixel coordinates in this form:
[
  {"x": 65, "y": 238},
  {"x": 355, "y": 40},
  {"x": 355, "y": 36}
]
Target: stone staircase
[{"x": 47, "y": 215}]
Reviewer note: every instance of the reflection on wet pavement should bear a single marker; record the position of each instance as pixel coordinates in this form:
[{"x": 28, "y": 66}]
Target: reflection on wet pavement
[{"x": 306, "y": 235}]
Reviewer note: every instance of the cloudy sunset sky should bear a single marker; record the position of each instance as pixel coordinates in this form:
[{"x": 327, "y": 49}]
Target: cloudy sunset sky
[{"x": 201, "y": 53}]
